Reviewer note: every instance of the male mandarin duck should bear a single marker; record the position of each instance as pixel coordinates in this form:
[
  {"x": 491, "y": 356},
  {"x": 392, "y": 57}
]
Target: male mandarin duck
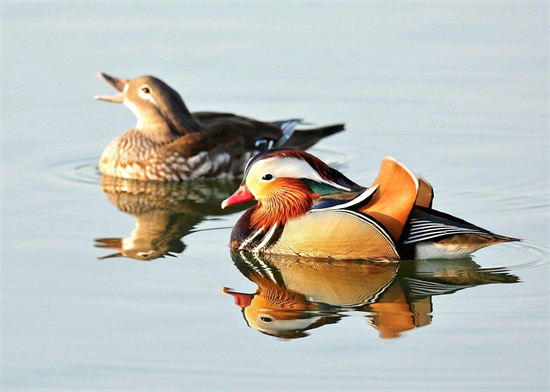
[
  {"x": 171, "y": 144},
  {"x": 309, "y": 209}
]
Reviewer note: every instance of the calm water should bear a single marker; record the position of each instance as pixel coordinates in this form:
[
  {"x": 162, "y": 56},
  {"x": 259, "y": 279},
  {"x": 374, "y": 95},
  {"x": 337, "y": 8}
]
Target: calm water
[{"x": 457, "y": 91}]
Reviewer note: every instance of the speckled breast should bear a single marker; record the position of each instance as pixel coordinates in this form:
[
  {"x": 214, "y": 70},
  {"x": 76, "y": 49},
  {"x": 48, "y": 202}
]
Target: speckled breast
[{"x": 169, "y": 166}]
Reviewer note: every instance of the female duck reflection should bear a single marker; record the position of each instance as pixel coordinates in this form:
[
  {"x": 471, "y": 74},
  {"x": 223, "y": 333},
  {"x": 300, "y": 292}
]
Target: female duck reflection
[
  {"x": 296, "y": 295},
  {"x": 165, "y": 213}
]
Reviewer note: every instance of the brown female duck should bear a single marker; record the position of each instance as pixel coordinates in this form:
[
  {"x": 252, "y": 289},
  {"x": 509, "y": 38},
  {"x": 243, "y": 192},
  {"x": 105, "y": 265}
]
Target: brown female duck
[{"x": 169, "y": 143}]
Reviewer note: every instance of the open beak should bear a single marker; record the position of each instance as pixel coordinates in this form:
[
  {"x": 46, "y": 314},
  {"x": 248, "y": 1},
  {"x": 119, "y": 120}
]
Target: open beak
[
  {"x": 118, "y": 254},
  {"x": 117, "y": 83},
  {"x": 240, "y": 196}
]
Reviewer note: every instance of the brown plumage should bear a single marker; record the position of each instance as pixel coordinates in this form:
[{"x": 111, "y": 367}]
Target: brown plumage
[
  {"x": 164, "y": 214},
  {"x": 171, "y": 144}
]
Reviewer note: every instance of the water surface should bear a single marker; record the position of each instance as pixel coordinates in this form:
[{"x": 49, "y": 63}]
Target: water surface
[{"x": 457, "y": 91}]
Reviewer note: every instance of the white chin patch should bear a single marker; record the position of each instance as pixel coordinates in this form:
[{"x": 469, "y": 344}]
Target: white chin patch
[{"x": 134, "y": 110}]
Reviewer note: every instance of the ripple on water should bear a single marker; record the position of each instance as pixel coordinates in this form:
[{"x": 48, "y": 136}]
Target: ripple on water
[
  {"x": 513, "y": 256},
  {"x": 84, "y": 171},
  {"x": 532, "y": 255},
  {"x": 81, "y": 171},
  {"x": 50, "y": 175}
]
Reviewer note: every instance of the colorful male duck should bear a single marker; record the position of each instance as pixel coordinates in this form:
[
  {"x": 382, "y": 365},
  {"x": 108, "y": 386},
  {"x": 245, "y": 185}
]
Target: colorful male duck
[
  {"x": 171, "y": 144},
  {"x": 309, "y": 209}
]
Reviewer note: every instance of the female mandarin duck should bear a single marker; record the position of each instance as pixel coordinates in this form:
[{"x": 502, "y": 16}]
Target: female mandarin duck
[
  {"x": 309, "y": 209},
  {"x": 171, "y": 144}
]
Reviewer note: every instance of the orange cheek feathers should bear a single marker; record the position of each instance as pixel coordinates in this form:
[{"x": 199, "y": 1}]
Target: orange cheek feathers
[{"x": 240, "y": 196}]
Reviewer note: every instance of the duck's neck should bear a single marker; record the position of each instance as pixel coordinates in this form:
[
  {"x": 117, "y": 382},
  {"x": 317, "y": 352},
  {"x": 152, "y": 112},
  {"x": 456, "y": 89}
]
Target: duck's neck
[
  {"x": 163, "y": 126},
  {"x": 156, "y": 129},
  {"x": 159, "y": 133},
  {"x": 295, "y": 200}
]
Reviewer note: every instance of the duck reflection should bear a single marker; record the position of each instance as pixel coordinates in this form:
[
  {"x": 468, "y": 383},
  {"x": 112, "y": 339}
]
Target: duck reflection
[
  {"x": 297, "y": 295},
  {"x": 164, "y": 212}
]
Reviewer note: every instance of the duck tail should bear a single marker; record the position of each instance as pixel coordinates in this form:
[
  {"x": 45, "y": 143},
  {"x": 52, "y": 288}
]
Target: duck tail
[
  {"x": 302, "y": 139},
  {"x": 436, "y": 234}
]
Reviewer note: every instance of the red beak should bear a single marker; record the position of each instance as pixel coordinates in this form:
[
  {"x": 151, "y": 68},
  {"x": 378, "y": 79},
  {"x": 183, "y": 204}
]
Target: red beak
[
  {"x": 240, "y": 196},
  {"x": 241, "y": 299}
]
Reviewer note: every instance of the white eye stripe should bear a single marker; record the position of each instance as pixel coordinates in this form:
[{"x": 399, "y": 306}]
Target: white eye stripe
[
  {"x": 147, "y": 95},
  {"x": 288, "y": 167}
]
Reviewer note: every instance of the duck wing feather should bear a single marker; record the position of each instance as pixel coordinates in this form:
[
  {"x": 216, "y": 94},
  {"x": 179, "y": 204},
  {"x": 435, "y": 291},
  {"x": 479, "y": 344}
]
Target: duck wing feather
[
  {"x": 274, "y": 134},
  {"x": 395, "y": 197}
]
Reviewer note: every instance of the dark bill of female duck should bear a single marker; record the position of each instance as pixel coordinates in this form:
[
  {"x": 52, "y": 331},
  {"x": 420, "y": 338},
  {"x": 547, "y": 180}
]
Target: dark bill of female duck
[
  {"x": 117, "y": 83},
  {"x": 309, "y": 209},
  {"x": 169, "y": 143}
]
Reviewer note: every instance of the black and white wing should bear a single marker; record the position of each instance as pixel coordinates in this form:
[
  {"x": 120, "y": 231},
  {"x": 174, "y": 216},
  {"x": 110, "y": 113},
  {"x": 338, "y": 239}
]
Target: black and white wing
[{"x": 430, "y": 225}]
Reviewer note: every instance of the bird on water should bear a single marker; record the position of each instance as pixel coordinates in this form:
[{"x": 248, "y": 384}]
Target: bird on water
[
  {"x": 308, "y": 209},
  {"x": 169, "y": 143}
]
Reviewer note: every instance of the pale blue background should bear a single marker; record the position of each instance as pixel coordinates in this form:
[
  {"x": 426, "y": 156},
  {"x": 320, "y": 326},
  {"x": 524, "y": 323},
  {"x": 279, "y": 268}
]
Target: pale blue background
[{"x": 457, "y": 91}]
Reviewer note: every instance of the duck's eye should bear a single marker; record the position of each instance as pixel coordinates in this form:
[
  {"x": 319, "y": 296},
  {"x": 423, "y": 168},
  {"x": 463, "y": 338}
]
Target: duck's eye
[
  {"x": 266, "y": 319},
  {"x": 267, "y": 177},
  {"x": 145, "y": 90}
]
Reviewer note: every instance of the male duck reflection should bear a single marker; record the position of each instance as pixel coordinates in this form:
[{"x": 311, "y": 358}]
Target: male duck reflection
[
  {"x": 164, "y": 212},
  {"x": 309, "y": 209},
  {"x": 171, "y": 144},
  {"x": 298, "y": 295}
]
